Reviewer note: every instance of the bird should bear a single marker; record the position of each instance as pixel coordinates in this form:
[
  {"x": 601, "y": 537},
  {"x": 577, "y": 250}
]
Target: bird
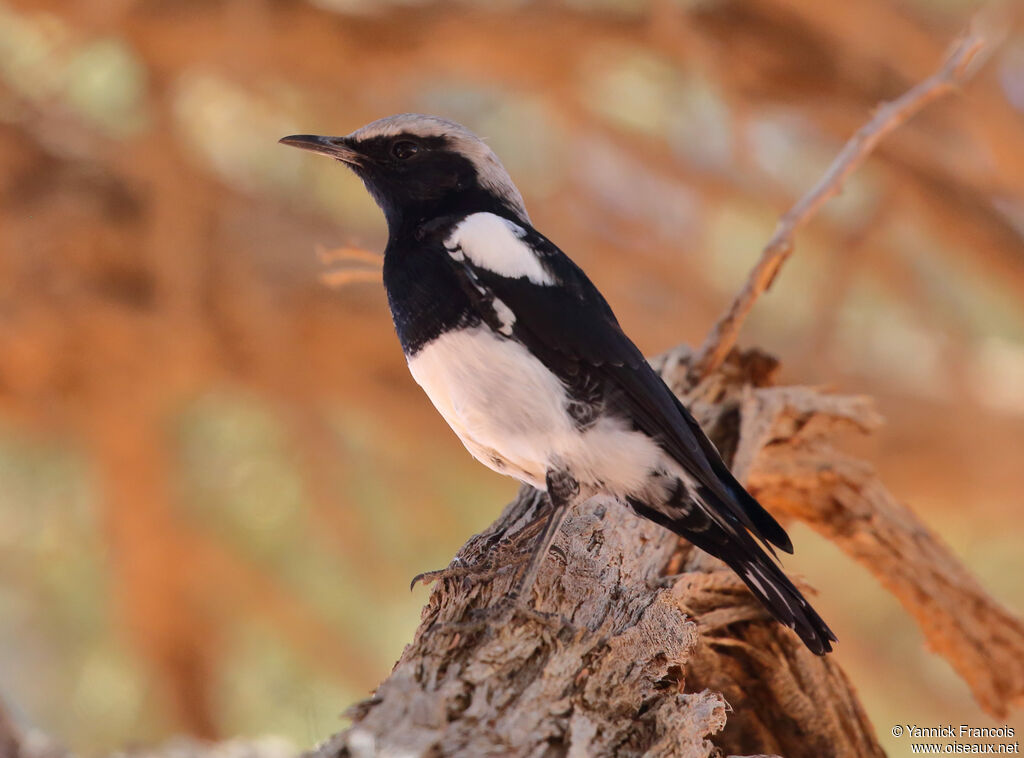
[{"x": 525, "y": 360}]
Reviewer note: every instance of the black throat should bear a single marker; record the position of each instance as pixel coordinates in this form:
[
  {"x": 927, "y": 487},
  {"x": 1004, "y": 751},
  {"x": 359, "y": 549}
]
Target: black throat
[
  {"x": 425, "y": 295},
  {"x": 410, "y": 219},
  {"x": 423, "y": 199}
]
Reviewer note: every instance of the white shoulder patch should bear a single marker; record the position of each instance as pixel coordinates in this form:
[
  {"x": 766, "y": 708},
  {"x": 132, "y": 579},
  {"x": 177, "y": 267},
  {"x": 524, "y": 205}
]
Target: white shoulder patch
[{"x": 496, "y": 244}]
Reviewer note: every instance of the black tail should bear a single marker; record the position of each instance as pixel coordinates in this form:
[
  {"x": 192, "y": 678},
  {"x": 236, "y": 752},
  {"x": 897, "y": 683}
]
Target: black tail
[
  {"x": 762, "y": 523},
  {"x": 734, "y": 545},
  {"x": 782, "y": 599}
]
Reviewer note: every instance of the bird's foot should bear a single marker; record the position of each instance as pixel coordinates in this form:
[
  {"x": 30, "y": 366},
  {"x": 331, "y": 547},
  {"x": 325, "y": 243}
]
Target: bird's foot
[
  {"x": 469, "y": 574},
  {"x": 456, "y": 569}
]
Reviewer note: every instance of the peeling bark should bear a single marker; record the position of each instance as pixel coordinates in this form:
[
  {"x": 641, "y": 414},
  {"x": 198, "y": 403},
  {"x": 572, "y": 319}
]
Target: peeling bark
[
  {"x": 649, "y": 646},
  {"x": 628, "y": 661}
]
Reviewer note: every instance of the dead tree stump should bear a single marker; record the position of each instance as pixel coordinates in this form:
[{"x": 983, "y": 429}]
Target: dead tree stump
[{"x": 650, "y": 648}]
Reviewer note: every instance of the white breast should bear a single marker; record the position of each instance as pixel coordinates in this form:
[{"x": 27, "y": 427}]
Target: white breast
[{"x": 509, "y": 411}]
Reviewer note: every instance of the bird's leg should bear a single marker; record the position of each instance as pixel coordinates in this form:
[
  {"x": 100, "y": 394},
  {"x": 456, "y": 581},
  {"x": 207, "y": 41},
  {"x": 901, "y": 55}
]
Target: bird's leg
[
  {"x": 456, "y": 568},
  {"x": 470, "y": 573},
  {"x": 486, "y": 569},
  {"x": 563, "y": 490}
]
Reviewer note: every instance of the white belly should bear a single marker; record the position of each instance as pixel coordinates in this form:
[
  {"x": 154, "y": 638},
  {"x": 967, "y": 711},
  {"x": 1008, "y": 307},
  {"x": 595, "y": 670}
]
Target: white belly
[{"x": 510, "y": 413}]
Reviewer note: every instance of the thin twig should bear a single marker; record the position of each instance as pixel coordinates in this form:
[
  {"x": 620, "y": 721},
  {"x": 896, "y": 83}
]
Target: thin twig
[
  {"x": 956, "y": 70},
  {"x": 344, "y": 276},
  {"x": 350, "y": 255},
  {"x": 347, "y": 254}
]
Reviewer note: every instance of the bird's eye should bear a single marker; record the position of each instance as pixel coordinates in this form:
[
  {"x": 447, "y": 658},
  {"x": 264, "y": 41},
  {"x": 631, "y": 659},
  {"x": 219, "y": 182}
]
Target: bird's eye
[{"x": 404, "y": 149}]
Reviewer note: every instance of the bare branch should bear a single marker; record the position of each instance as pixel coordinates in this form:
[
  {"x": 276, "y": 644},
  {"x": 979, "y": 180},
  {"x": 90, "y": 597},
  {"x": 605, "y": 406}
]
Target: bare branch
[
  {"x": 957, "y": 69},
  {"x": 842, "y": 499},
  {"x": 347, "y": 255},
  {"x": 640, "y": 643},
  {"x": 344, "y": 276}
]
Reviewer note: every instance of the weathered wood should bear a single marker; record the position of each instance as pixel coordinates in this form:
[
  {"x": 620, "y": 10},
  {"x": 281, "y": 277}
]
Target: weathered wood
[
  {"x": 630, "y": 662},
  {"x": 652, "y": 647},
  {"x": 842, "y": 499}
]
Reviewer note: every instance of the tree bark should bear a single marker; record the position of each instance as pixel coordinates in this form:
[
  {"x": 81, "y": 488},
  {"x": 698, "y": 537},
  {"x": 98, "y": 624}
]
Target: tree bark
[
  {"x": 649, "y": 646},
  {"x": 646, "y": 646}
]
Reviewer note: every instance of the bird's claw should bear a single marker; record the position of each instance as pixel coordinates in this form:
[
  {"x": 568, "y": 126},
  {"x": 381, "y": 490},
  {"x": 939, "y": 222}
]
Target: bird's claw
[{"x": 459, "y": 569}]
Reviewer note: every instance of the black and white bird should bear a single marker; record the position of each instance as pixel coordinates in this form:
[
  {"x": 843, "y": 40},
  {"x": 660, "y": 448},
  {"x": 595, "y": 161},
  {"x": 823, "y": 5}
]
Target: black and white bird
[{"x": 524, "y": 359}]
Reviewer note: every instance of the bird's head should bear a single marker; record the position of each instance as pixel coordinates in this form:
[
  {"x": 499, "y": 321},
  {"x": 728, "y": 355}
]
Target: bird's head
[{"x": 421, "y": 167}]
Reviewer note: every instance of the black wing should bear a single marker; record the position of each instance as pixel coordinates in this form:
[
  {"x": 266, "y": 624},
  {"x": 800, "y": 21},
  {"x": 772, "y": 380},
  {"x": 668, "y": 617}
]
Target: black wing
[{"x": 571, "y": 328}]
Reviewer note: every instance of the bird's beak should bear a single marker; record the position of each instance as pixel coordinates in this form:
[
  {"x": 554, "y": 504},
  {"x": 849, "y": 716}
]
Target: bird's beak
[{"x": 338, "y": 148}]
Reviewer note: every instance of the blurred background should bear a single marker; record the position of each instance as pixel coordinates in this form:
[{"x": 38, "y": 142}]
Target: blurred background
[{"x": 216, "y": 476}]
